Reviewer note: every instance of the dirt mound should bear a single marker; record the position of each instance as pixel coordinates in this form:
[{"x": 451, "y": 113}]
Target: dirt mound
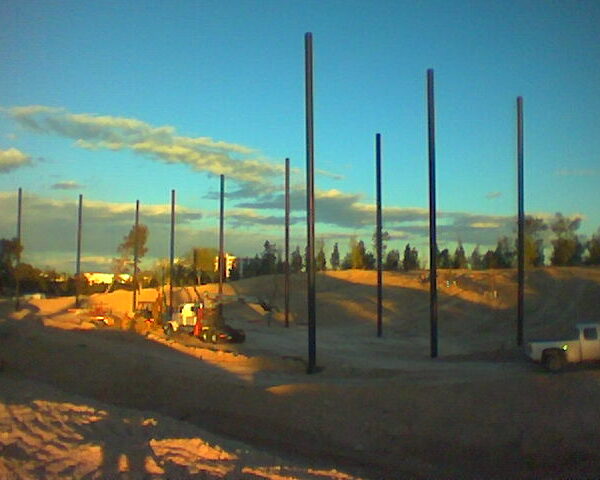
[{"x": 381, "y": 408}]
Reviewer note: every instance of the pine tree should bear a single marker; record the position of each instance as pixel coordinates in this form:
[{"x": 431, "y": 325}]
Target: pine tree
[
  {"x": 347, "y": 262},
  {"x": 268, "y": 264},
  {"x": 334, "y": 261},
  {"x": 320, "y": 261},
  {"x": 392, "y": 260},
  {"x": 414, "y": 258},
  {"x": 489, "y": 260},
  {"x": 296, "y": 263},
  {"x": 444, "y": 260},
  {"x": 358, "y": 255},
  {"x": 410, "y": 260},
  {"x": 476, "y": 261},
  {"x": 370, "y": 261},
  {"x": 460, "y": 258},
  {"x": 504, "y": 254}
]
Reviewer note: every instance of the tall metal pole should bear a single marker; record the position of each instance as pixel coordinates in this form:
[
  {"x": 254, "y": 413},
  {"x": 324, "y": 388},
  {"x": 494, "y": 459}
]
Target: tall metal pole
[
  {"x": 221, "y": 262},
  {"x": 521, "y": 224},
  {"x": 172, "y": 253},
  {"x": 310, "y": 204},
  {"x": 78, "y": 259},
  {"x": 17, "y": 274},
  {"x": 287, "y": 244},
  {"x": 135, "y": 254},
  {"x": 433, "y": 300},
  {"x": 378, "y": 235}
]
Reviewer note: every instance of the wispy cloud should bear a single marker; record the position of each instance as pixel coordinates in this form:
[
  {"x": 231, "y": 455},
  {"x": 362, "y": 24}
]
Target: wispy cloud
[
  {"x": 492, "y": 195},
  {"x": 351, "y": 216},
  {"x": 67, "y": 185},
  {"x": 577, "y": 172},
  {"x": 103, "y": 132},
  {"x": 12, "y": 159},
  {"x": 325, "y": 173},
  {"x": 246, "y": 217}
]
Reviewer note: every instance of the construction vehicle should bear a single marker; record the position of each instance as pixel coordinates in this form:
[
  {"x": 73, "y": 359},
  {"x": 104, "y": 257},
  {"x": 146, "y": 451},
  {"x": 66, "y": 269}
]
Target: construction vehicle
[
  {"x": 185, "y": 318},
  {"x": 203, "y": 319}
]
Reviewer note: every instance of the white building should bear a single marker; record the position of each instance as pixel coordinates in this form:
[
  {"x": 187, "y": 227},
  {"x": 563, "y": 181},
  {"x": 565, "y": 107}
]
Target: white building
[
  {"x": 97, "y": 278},
  {"x": 229, "y": 261}
]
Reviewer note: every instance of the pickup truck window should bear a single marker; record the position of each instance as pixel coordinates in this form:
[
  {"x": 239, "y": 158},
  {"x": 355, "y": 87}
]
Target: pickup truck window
[{"x": 590, "y": 334}]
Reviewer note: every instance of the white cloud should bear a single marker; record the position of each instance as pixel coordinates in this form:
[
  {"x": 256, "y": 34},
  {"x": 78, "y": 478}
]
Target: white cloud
[
  {"x": 102, "y": 132},
  {"x": 492, "y": 195},
  {"x": 485, "y": 225},
  {"x": 12, "y": 159},
  {"x": 325, "y": 173},
  {"x": 67, "y": 185}
]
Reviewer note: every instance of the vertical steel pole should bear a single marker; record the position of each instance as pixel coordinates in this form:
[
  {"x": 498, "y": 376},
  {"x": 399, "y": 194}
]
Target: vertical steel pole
[
  {"x": 19, "y": 218},
  {"x": 172, "y": 254},
  {"x": 310, "y": 204},
  {"x": 433, "y": 300},
  {"x": 17, "y": 274},
  {"x": 287, "y": 244},
  {"x": 378, "y": 234},
  {"x": 135, "y": 254},
  {"x": 221, "y": 263},
  {"x": 78, "y": 259},
  {"x": 521, "y": 224}
]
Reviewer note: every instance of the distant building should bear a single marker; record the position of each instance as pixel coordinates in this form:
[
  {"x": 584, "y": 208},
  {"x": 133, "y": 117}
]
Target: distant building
[
  {"x": 96, "y": 278},
  {"x": 229, "y": 261}
]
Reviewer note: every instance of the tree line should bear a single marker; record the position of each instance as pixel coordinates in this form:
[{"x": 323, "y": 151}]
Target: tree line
[{"x": 566, "y": 247}]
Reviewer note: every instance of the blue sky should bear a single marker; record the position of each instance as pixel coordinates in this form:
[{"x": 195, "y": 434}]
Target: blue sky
[{"x": 123, "y": 88}]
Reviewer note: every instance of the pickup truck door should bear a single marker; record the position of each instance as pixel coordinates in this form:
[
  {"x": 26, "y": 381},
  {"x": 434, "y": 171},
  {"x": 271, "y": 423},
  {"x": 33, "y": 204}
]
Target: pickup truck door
[{"x": 590, "y": 344}]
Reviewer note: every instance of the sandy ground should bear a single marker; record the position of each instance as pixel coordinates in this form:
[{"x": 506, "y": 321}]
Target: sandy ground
[{"x": 77, "y": 401}]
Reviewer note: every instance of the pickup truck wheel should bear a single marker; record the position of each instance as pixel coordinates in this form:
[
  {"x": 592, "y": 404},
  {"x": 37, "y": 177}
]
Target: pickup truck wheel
[{"x": 554, "y": 362}]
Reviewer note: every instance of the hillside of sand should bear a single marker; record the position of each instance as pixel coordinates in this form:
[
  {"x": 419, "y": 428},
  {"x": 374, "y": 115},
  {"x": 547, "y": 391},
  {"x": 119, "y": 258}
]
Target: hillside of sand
[{"x": 77, "y": 401}]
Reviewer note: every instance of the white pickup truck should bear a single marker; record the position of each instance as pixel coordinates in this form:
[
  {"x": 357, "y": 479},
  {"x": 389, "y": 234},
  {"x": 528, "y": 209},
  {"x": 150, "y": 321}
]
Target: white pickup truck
[{"x": 582, "y": 346}]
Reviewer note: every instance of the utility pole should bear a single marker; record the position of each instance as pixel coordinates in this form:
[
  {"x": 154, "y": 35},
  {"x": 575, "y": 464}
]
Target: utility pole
[
  {"x": 78, "y": 259},
  {"x": 17, "y": 273},
  {"x": 378, "y": 234},
  {"x": 521, "y": 224},
  {"x": 287, "y": 244},
  {"x": 310, "y": 204},
  {"x": 433, "y": 299},
  {"x": 172, "y": 254},
  {"x": 221, "y": 263},
  {"x": 135, "y": 254}
]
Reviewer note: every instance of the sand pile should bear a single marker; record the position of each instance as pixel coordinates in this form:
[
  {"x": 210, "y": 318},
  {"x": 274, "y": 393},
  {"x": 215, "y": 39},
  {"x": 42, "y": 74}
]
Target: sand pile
[{"x": 142, "y": 405}]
